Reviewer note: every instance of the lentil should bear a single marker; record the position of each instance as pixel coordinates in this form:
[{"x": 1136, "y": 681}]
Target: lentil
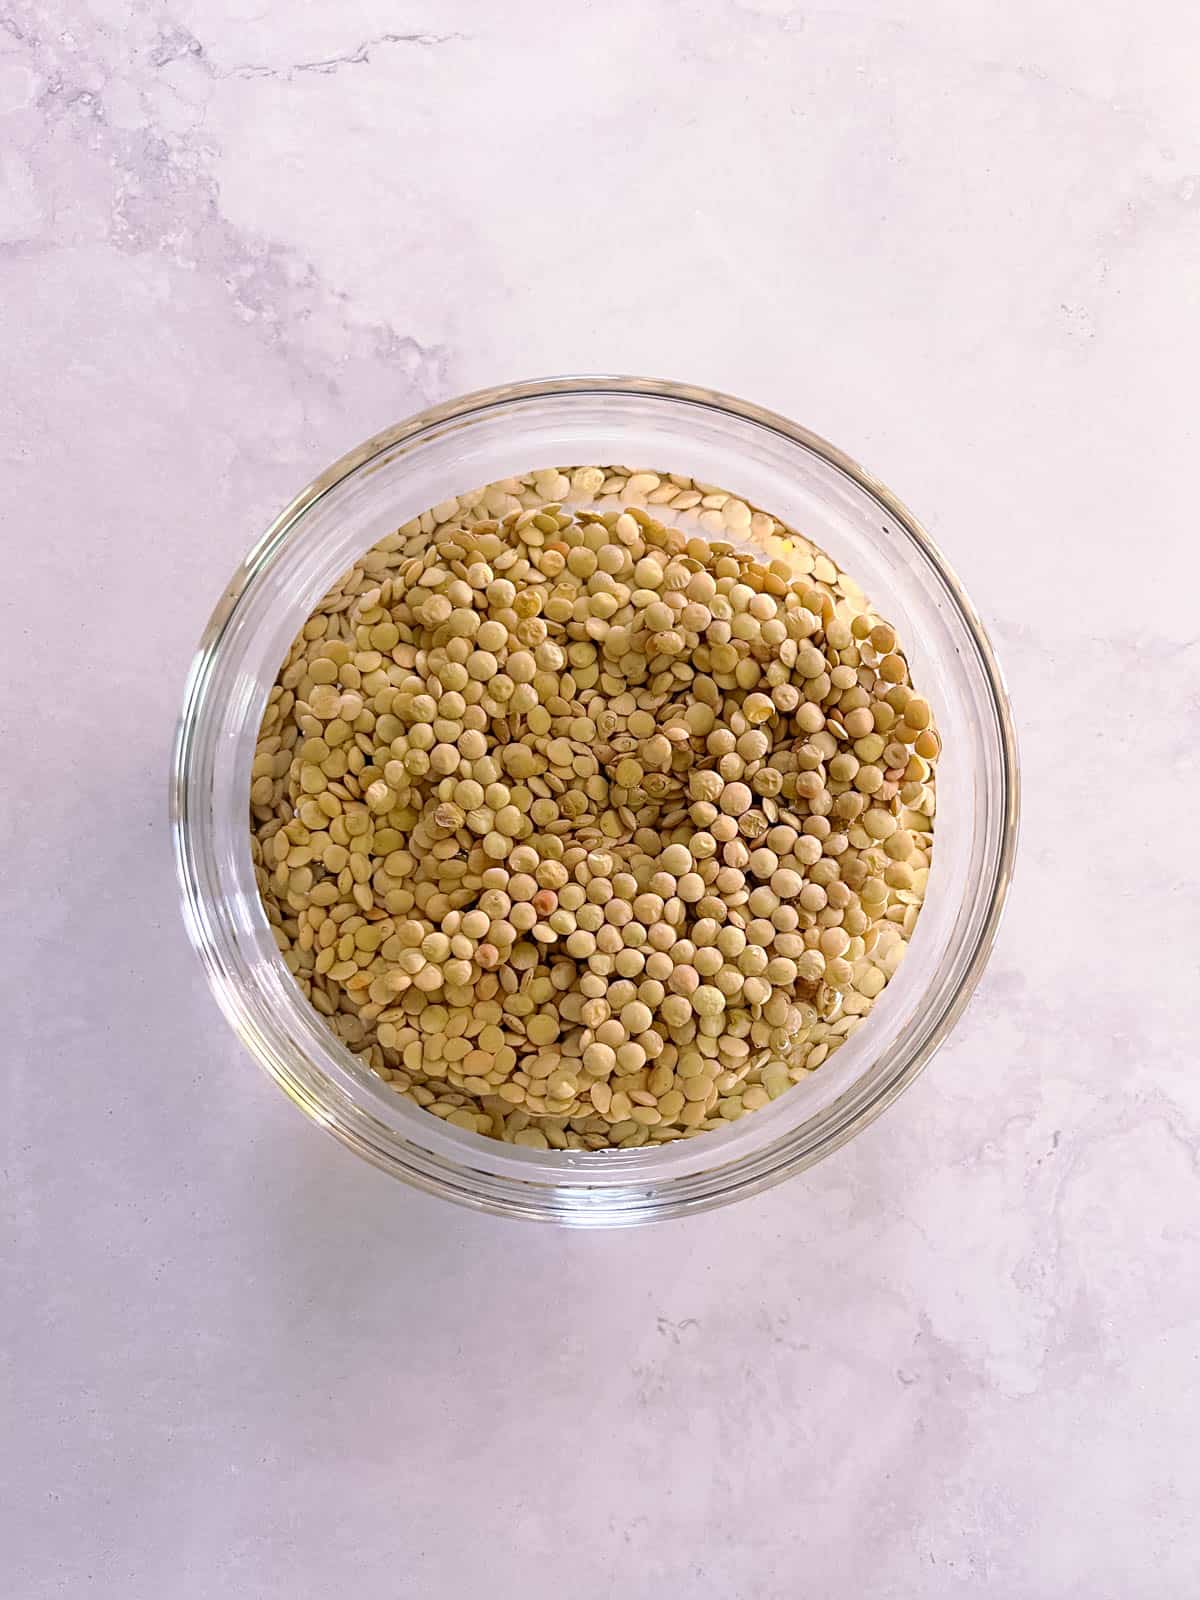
[{"x": 582, "y": 830}]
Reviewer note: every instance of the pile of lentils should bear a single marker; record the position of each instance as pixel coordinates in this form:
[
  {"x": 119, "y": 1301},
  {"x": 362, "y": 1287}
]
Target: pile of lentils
[{"x": 593, "y": 808}]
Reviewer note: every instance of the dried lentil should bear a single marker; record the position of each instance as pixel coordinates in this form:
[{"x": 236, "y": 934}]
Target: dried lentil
[{"x": 582, "y": 829}]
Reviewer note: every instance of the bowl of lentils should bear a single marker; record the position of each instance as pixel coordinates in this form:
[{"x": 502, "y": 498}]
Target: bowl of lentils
[{"x": 594, "y": 800}]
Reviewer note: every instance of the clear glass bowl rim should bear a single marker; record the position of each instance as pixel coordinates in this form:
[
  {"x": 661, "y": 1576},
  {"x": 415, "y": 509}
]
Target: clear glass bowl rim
[{"x": 641, "y": 1200}]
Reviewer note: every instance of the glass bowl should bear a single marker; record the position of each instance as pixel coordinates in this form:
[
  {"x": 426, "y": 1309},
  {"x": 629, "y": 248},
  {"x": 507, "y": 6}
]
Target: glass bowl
[{"x": 766, "y": 461}]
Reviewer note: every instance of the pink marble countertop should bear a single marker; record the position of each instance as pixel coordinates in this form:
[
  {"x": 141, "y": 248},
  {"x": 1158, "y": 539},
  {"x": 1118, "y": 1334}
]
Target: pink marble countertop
[{"x": 958, "y": 1358}]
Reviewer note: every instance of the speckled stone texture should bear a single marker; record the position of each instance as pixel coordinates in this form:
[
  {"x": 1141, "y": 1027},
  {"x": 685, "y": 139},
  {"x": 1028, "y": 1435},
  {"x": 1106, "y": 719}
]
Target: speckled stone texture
[{"x": 960, "y": 1357}]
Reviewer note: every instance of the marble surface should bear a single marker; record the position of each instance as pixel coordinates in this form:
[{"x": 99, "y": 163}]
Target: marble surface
[{"x": 961, "y": 1356}]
